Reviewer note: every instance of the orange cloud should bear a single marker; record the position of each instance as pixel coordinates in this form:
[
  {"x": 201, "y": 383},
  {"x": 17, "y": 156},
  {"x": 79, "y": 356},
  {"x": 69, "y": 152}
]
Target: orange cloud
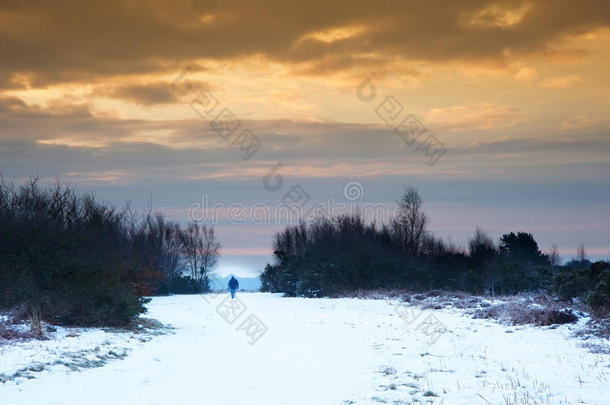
[
  {"x": 525, "y": 74},
  {"x": 561, "y": 82},
  {"x": 66, "y": 42},
  {"x": 473, "y": 117}
]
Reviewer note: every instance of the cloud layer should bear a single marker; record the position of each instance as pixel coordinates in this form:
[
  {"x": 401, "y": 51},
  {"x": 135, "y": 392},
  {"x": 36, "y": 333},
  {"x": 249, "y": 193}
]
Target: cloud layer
[{"x": 50, "y": 42}]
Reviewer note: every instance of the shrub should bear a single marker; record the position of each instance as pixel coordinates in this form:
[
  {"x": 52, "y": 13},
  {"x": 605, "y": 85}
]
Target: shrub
[
  {"x": 71, "y": 259},
  {"x": 339, "y": 255},
  {"x": 570, "y": 283},
  {"x": 184, "y": 285},
  {"x": 591, "y": 283},
  {"x": 600, "y": 296}
]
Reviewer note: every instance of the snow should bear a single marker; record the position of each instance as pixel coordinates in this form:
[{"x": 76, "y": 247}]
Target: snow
[{"x": 313, "y": 351}]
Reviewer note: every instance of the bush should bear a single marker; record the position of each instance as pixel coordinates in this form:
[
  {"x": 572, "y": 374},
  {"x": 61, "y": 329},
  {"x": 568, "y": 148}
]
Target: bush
[
  {"x": 514, "y": 278},
  {"x": 343, "y": 254},
  {"x": 71, "y": 259},
  {"x": 184, "y": 285},
  {"x": 539, "y": 310},
  {"x": 590, "y": 283},
  {"x": 333, "y": 256},
  {"x": 108, "y": 306},
  {"x": 573, "y": 286},
  {"x": 600, "y": 296}
]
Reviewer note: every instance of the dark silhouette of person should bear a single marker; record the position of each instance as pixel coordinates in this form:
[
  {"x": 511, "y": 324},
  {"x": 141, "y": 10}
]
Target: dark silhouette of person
[{"x": 233, "y": 286}]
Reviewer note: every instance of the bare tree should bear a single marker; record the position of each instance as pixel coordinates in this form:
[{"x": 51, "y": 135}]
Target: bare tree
[
  {"x": 191, "y": 243},
  {"x": 410, "y": 224},
  {"x": 482, "y": 246},
  {"x": 484, "y": 251},
  {"x": 210, "y": 254},
  {"x": 201, "y": 250},
  {"x": 581, "y": 255},
  {"x": 171, "y": 249},
  {"x": 554, "y": 258},
  {"x": 433, "y": 246}
]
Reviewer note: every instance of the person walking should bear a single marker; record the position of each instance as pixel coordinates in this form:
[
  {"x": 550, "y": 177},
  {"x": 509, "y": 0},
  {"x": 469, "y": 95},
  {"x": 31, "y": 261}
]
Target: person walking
[{"x": 233, "y": 286}]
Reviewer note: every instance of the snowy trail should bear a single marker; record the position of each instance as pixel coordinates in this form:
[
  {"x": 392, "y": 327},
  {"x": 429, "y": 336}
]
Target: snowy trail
[{"x": 329, "y": 351}]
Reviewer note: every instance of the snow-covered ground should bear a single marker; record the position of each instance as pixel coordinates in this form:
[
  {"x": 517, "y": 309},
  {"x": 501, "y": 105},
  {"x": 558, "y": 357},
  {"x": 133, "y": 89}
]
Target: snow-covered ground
[{"x": 266, "y": 349}]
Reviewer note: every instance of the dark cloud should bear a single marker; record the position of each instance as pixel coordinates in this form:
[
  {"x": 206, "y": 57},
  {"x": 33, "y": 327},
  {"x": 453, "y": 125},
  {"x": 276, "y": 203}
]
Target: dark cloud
[
  {"x": 145, "y": 94},
  {"x": 48, "y": 42},
  {"x": 8, "y": 104},
  {"x": 71, "y": 139},
  {"x": 149, "y": 93}
]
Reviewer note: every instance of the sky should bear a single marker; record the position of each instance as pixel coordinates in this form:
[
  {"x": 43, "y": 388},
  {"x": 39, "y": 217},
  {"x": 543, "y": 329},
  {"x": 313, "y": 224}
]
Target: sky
[{"x": 222, "y": 112}]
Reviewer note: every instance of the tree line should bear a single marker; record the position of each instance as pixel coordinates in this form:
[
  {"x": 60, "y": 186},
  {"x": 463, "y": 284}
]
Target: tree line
[
  {"x": 71, "y": 259},
  {"x": 333, "y": 256}
]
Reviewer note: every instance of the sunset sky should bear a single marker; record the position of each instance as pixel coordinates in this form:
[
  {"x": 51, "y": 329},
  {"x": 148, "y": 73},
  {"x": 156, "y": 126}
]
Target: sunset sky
[{"x": 111, "y": 96}]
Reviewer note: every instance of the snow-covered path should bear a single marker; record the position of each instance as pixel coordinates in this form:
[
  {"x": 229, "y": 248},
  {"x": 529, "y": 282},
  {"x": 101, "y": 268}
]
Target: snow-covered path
[{"x": 328, "y": 351}]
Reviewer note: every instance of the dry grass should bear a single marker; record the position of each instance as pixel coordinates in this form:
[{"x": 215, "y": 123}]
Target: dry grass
[
  {"x": 521, "y": 309},
  {"x": 527, "y": 309},
  {"x": 382, "y": 293},
  {"x": 598, "y": 326},
  {"x": 516, "y": 313},
  {"x": 16, "y": 332},
  {"x": 14, "y": 326},
  {"x": 8, "y": 332}
]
